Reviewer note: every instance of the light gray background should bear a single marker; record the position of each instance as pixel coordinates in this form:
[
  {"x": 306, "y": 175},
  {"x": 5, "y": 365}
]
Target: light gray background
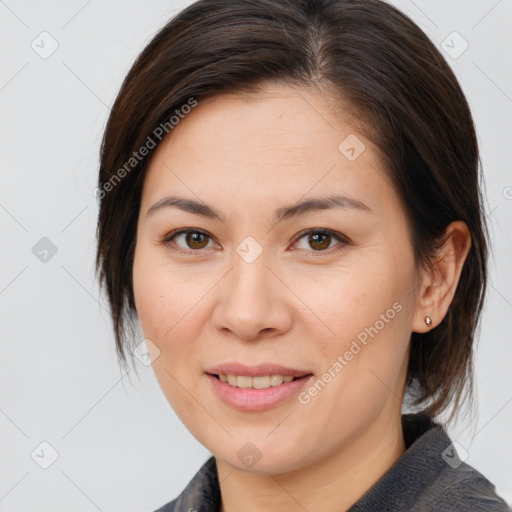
[{"x": 120, "y": 446}]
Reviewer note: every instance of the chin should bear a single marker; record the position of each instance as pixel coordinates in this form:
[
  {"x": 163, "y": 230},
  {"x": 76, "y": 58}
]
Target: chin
[{"x": 255, "y": 458}]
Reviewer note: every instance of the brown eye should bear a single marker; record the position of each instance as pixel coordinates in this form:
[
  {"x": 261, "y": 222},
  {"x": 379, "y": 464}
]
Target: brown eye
[
  {"x": 319, "y": 241},
  {"x": 196, "y": 240},
  {"x": 187, "y": 241}
]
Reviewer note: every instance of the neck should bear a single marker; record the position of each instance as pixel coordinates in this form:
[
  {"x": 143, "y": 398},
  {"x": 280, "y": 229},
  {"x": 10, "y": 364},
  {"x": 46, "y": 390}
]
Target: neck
[{"x": 333, "y": 483}]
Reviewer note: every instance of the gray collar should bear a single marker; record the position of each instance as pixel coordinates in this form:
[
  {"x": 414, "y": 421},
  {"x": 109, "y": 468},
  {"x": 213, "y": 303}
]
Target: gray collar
[{"x": 427, "y": 476}]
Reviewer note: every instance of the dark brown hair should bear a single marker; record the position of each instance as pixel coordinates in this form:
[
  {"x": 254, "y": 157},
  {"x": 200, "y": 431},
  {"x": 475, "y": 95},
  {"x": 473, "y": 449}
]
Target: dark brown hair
[{"x": 399, "y": 88}]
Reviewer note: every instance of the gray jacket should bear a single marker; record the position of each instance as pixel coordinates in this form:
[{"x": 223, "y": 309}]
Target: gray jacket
[{"x": 428, "y": 477}]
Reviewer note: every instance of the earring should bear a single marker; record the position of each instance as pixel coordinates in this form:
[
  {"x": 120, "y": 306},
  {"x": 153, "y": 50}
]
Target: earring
[
  {"x": 434, "y": 284},
  {"x": 428, "y": 321}
]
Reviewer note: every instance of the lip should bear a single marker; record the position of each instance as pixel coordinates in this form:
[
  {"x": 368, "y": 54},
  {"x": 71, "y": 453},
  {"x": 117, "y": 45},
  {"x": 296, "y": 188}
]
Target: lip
[
  {"x": 251, "y": 399},
  {"x": 234, "y": 368}
]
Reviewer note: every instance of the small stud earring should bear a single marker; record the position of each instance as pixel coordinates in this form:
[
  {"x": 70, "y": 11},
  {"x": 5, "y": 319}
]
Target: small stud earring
[
  {"x": 435, "y": 284},
  {"x": 428, "y": 321}
]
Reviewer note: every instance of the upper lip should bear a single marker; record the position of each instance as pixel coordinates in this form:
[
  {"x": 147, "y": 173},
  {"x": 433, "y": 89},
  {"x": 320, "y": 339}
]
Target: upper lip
[{"x": 233, "y": 368}]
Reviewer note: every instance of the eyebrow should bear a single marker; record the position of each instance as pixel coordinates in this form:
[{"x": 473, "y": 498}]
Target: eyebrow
[{"x": 285, "y": 213}]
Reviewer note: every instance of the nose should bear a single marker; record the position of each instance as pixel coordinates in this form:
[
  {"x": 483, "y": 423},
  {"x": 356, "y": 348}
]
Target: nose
[{"x": 253, "y": 302}]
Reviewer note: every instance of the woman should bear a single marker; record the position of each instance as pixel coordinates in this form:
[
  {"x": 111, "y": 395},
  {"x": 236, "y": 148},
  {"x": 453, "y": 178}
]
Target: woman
[{"x": 290, "y": 207}]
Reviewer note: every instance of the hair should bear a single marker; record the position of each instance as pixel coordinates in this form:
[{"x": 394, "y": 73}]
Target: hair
[{"x": 392, "y": 81}]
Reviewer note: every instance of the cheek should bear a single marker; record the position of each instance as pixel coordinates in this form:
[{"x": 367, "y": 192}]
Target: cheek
[
  {"x": 342, "y": 301},
  {"x": 362, "y": 363},
  {"x": 166, "y": 316},
  {"x": 162, "y": 296},
  {"x": 360, "y": 320},
  {"x": 157, "y": 299},
  {"x": 170, "y": 308}
]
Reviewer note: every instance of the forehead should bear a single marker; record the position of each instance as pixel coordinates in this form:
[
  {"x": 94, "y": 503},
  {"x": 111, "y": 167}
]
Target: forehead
[{"x": 282, "y": 140}]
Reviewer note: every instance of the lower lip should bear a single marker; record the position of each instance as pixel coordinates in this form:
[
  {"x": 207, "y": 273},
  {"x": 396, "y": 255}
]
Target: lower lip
[{"x": 250, "y": 399}]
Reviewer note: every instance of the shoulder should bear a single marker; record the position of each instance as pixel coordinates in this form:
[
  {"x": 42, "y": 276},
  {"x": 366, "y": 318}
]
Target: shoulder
[
  {"x": 446, "y": 483},
  {"x": 169, "y": 507},
  {"x": 201, "y": 494},
  {"x": 463, "y": 488},
  {"x": 430, "y": 476}
]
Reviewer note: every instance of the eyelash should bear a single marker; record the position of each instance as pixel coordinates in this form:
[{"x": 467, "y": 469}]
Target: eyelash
[{"x": 344, "y": 240}]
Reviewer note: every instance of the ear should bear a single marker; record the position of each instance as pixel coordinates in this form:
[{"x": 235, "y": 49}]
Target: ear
[{"x": 438, "y": 285}]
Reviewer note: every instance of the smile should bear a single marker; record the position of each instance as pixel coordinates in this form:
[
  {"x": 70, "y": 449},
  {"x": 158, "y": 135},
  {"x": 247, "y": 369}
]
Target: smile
[{"x": 262, "y": 382}]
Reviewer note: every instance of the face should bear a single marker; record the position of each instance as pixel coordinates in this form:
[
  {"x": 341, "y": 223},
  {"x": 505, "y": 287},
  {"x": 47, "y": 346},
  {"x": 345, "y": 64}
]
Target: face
[{"x": 258, "y": 280}]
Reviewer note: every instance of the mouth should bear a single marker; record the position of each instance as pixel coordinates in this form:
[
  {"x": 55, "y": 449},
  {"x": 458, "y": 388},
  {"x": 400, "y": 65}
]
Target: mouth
[
  {"x": 259, "y": 382},
  {"x": 263, "y": 391}
]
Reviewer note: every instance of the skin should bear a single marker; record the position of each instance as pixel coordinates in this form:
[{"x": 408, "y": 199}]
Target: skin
[{"x": 299, "y": 304}]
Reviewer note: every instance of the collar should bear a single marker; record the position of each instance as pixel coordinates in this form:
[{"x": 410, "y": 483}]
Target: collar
[{"x": 423, "y": 476}]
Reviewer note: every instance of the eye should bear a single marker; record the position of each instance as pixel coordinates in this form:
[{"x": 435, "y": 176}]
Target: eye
[
  {"x": 193, "y": 239},
  {"x": 320, "y": 240}
]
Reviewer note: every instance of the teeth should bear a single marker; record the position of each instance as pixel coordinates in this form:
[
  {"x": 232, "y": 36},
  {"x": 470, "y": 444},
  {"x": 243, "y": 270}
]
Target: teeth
[{"x": 244, "y": 381}]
